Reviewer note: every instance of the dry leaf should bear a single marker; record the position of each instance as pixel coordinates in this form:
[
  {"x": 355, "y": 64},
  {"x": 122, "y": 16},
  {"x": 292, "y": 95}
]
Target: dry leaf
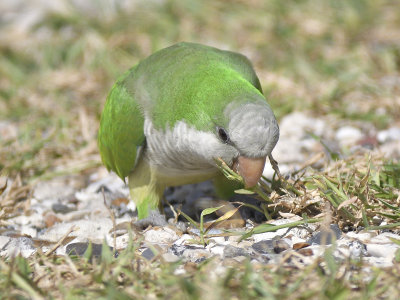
[{"x": 347, "y": 202}]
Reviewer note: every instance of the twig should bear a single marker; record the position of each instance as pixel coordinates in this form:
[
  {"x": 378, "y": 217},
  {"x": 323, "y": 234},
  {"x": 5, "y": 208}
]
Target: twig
[
  {"x": 3, "y": 188},
  {"x": 113, "y": 221},
  {"x": 176, "y": 215},
  {"x": 274, "y": 165},
  {"x": 55, "y": 247},
  {"x": 285, "y": 183}
]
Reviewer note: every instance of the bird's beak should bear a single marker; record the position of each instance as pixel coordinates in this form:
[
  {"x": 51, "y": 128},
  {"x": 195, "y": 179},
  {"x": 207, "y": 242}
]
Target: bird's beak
[{"x": 250, "y": 169}]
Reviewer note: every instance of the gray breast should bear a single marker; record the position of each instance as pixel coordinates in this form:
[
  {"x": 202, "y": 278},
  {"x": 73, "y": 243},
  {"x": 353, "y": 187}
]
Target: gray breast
[{"x": 182, "y": 149}]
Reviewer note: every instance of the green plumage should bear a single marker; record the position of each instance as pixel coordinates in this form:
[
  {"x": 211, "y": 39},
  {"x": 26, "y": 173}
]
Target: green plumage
[
  {"x": 120, "y": 135},
  {"x": 191, "y": 82},
  {"x": 185, "y": 82}
]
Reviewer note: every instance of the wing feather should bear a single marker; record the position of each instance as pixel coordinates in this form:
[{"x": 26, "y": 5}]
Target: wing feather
[{"x": 121, "y": 133}]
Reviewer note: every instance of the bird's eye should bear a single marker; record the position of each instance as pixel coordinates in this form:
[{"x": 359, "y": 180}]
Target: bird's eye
[{"x": 223, "y": 134}]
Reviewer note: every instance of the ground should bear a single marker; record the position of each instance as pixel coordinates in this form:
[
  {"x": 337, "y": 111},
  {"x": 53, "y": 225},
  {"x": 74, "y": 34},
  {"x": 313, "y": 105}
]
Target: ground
[{"x": 327, "y": 229}]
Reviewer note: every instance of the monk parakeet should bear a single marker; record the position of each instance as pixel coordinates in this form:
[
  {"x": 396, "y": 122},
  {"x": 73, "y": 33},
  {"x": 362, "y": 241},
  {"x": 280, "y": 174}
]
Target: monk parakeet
[{"x": 167, "y": 120}]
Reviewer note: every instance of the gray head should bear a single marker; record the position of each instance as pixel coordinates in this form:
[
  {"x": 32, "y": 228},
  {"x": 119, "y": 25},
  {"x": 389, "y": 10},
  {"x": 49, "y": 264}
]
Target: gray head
[
  {"x": 250, "y": 134},
  {"x": 253, "y": 129}
]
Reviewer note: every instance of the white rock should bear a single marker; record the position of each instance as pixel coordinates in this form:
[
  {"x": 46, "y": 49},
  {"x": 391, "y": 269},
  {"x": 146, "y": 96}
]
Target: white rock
[
  {"x": 297, "y": 124},
  {"x": 183, "y": 240},
  {"x": 42, "y": 206},
  {"x": 288, "y": 151},
  {"x": 309, "y": 144},
  {"x": 296, "y": 239},
  {"x": 54, "y": 189},
  {"x": 29, "y": 231},
  {"x": 295, "y": 139},
  {"x": 121, "y": 241},
  {"x": 218, "y": 250},
  {"x": 211, "y": 231},
  {"x": 379, "y": 250},
  {"x": 112, "y": 182},
  {"x": 34, "y": 220},
  {"x": 384, "y": 238},
  {"x": 85, "y": 196},
  {"x": 362, "y": 236},
  {"x": 180, "y": 270},
  {"x": 342, "y": 250},
  {"x": 95, "y": 230},
  {"x": 391, "y": 134},
  {"x": 318, "y": 250},
  {"x": 163, "y": 235},
  {"x": 348, "y": 135},
  {"x": 22, "y": 245},
  {"x": 169, "y": 257},
  {"x": 131, "y": 205},
  {"x": 380, "y": 262},
  {"x": 357, "y": 249},
  {"x": 195, "y": 255},
  {"x": 299, "y": 232},
  {"x": 391, "y": 149},
  {"x": 3, "y": 241},
  {"x": 268, "y": 235}
]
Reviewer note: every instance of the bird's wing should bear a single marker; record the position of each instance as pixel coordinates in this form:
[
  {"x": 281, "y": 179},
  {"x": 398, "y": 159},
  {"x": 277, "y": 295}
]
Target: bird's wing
[{"x": 121, "y": 135}]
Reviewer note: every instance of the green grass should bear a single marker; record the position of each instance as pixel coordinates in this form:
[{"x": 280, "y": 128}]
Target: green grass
[{"x": 333, "y": 58}]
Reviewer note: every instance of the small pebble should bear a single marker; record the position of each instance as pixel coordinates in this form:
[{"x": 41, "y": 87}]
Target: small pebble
[
  {"x": 61, "y": 208},
  {"x": 119, "y": 201},
  {"x": 148, "y": 254},
  {"x": 357, "y": 249},
  {"x": 218, "y": 250},
  {"x": 263, "y": 247},
  {"x": 181, "y": 226},
  {"x": 377, "y": 220},
  {"x": 177, "y": 249},
  {"x": 280, "y": 245},
  {"x": 231, "y": 251},
  {"x": 15, "y": 246},
  {"x": 196, "y": 255},
  {"x": 348, "y": 135},
  {"x": 391, "y": 134},
  {"x": 50, "y": 219},
  {"x": 154, "y": 219},
  {"x": 305, "y": 252},
  {"x": 326, "y": 237},
  {"x": 298, "y": 246},
  {"x": 163, "y": 235},
  {"x": 379, "y": 250},
  {"x": 79, "y": 249}
]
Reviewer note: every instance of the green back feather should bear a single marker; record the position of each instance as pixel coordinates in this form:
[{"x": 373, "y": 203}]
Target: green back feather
[
  {"x": 194, "y": 83},
  {"x": 186, "y": 81},
  {"x": 121, "y": 130}
]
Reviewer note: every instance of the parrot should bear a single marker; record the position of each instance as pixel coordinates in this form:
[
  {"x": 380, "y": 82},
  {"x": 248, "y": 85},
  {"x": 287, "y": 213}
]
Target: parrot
[{"x": 168, "y": 119}]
